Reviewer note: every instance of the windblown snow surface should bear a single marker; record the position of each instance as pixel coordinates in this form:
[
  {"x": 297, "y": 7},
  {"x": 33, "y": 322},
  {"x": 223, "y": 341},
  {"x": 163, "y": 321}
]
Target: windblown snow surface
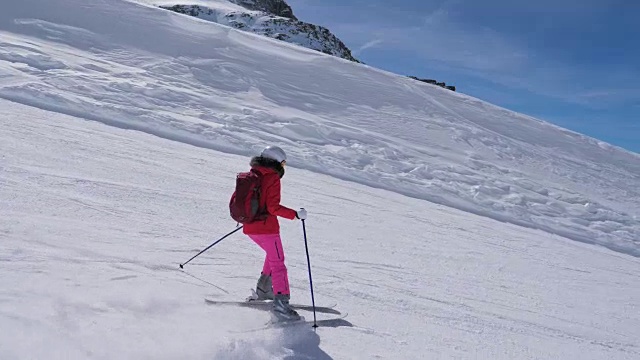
[{"x": 445, "y": 226}]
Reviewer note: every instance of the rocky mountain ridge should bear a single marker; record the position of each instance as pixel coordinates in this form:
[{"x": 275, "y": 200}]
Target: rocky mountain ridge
[
  {"x": 271, "y": 18},
  {"x": 275, "y": 7}
]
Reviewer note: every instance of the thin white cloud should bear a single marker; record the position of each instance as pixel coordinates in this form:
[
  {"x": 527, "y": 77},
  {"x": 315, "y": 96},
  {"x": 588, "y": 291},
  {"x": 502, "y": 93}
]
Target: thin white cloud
[
  {"x": 487, "y": 54},
  {"x": 368, "y": 45},
  {"x": 442, "y": 40},
  {"x": 436, "y": 37}
]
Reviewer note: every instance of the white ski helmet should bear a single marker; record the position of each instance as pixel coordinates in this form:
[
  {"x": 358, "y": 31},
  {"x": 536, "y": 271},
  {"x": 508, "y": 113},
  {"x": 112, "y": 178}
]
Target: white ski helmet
[{"x": 275, "y": 153}]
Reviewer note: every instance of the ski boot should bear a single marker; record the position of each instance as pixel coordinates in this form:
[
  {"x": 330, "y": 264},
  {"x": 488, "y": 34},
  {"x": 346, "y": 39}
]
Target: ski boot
[
  {"x": 281, "y": 309},
  {"x": 264, "y": 290}
]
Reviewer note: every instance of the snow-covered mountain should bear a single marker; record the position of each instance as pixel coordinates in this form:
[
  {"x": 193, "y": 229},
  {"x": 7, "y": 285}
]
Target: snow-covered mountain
[
  {"x": 271, "y": 18},
  {"x": 445, "y": 226},
  {"x": 235, "y": 90}
]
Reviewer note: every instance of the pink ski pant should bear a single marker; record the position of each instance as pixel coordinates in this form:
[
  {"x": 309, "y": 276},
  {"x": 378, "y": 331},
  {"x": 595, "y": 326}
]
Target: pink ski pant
[{"x": 274, "y": 261}]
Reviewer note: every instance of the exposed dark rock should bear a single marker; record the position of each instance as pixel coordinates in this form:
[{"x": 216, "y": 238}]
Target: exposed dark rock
[
  {"x": 434, "y": 82},
  {"x": 275, "y": 7}
]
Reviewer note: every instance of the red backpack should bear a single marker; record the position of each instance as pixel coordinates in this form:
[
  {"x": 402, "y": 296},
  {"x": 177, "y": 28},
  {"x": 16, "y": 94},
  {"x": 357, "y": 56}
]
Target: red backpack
[{"x": 245, "y": 201}]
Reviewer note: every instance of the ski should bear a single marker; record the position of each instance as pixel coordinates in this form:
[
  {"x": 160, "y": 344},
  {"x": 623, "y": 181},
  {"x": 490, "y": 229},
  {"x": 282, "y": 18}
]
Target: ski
[
  {"x": 266, "y": 305},
  {"x": 320, "y": 322},
  {"x": 335, "y": 321}
]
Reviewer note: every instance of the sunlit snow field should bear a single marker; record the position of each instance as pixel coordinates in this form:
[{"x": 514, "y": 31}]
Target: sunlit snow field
[{"x": 446, "y": 227}]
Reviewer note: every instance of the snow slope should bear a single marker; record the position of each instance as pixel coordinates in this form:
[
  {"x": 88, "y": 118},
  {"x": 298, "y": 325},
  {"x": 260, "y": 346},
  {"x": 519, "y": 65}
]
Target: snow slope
[
  {"x": 122, "y": 126},
  {"x": 95, "y": 220},
  {"x": 139, "y": 67}
]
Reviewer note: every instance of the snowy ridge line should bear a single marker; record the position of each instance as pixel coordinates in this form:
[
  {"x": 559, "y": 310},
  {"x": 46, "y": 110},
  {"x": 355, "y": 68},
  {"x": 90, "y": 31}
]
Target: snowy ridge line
[{"x": 230, "y": 92}]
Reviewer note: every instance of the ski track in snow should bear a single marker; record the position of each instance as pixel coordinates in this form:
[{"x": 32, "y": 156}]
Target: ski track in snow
[
  {"x": 217, "y": 88},
  {"x": 96, "y": 219}
]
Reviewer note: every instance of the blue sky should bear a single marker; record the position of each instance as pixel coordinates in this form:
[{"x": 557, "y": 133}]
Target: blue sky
[{"x": 575, "y": 63}]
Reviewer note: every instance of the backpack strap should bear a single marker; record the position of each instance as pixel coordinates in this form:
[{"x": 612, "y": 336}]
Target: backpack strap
[{"x": 262, "y": 210}]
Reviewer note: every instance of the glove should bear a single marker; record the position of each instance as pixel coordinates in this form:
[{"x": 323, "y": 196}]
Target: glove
[{"x": 301, "y": 214}]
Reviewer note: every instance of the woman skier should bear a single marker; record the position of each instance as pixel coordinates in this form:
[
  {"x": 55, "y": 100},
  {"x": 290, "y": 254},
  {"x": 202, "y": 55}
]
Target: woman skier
[{"x": 273, "y": 283}]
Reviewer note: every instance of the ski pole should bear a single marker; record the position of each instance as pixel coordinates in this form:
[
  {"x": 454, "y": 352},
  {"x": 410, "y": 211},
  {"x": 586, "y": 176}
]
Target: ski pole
[
  {"x": 313, "y": 302},
  {"x": 209, "y": 247}
]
